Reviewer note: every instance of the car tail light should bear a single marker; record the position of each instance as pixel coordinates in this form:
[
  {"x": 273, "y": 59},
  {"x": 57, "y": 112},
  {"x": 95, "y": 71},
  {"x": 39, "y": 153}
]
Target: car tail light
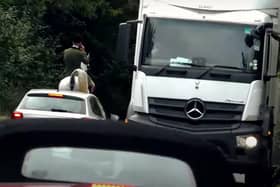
[{"x": 17, "y": 115}]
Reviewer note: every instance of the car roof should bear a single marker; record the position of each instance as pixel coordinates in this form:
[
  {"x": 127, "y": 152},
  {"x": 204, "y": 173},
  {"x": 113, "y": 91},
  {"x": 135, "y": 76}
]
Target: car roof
[{"x": 68, "y": 93}]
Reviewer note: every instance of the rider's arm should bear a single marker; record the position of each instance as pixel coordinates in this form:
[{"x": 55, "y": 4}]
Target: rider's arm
[{"x": 85, "y": 58}]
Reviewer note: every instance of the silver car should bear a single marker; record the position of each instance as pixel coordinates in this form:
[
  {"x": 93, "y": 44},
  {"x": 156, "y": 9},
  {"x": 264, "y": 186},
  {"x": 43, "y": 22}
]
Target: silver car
[{"x": 38, "y": 103}]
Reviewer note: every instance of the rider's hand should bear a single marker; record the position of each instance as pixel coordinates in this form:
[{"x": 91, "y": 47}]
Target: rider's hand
[{"x": 82, "y": 47}]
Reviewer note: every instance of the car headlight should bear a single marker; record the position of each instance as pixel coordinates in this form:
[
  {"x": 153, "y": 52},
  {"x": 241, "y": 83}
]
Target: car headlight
[{"x": 247, "y": 141}]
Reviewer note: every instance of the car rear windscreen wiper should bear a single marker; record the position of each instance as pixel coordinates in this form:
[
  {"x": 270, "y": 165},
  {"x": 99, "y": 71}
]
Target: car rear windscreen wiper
[
  {"x": 218, "y": 66},
  {"x": 168, "y": 65},
  {"x": 59, "y": 110}
]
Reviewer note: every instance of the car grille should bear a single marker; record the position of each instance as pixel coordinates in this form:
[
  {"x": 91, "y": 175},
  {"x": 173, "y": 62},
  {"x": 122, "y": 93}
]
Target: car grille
[{"x": 171, "y": 111}]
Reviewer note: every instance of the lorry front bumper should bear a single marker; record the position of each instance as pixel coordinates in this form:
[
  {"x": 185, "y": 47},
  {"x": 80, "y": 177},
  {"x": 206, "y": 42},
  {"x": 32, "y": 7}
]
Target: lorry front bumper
[{"x": 239, "y": 159}]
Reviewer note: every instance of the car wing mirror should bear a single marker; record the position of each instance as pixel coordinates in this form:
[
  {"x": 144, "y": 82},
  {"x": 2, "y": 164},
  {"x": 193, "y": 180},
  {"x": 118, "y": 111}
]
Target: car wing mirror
[{"x": 114, "y": 117}]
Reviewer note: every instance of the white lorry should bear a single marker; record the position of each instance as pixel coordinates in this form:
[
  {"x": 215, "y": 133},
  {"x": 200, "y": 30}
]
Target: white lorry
[{"x": 208, "y": 67}]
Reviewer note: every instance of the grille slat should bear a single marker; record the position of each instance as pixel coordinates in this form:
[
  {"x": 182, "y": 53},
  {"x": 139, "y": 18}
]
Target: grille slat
[
  {"x": 166, "y": 103},
  {"x": 221, "y": 107},
  {"x": 171, "y": 109},
  {"x": 183, "y": 125},
  {"x": 167, "y": 113}
]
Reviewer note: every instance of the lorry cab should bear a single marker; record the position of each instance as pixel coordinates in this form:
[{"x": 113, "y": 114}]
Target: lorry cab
[{"x": 207, "y": 68}]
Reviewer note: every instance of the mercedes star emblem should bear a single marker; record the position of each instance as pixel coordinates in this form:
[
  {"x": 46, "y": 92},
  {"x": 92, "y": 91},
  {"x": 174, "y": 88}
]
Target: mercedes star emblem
[{"x": 195, "y": 109}]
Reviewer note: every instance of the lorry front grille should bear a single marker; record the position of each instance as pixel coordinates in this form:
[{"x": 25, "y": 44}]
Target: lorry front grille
[{"x": 173, "y": 111}]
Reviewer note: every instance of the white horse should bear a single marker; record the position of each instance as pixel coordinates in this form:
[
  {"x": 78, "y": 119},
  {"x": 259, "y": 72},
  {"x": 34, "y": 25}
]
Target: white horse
[{"x": 77, "y": 81}]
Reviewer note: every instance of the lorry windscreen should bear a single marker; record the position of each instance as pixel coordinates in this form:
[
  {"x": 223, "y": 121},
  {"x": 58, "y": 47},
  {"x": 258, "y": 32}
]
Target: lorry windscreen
[{"x": 180, "y": 43}]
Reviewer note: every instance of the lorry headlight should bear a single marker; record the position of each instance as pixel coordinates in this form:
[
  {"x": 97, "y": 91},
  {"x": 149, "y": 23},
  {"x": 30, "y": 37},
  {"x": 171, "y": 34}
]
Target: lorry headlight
[{"x": 247, "y": 142}]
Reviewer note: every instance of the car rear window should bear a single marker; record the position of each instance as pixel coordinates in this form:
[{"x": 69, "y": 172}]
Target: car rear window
[{"x": 44, "y": 102}]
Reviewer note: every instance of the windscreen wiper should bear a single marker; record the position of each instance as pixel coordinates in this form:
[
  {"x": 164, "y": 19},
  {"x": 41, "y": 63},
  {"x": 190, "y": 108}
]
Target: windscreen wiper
[
  {"x": 243, "y": 60},
  {"x": 168, "y": 65},
  {"x": 217, "y": 66},
  {"x": 59, "y": 110}
]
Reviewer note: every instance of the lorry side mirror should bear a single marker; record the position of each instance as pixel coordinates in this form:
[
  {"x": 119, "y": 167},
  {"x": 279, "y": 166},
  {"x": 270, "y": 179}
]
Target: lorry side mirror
[
  {"x": 249, "y": 40},
  {"x": 256, "y": 33},
  {"x": 122, "y": 48}
]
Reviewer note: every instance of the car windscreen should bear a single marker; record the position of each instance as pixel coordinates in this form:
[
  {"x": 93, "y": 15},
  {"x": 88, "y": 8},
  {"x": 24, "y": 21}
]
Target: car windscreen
[
  {"x": 106, "y": 166},
  {"x": 173, "y": 42},
  {"x": 44, "y": 102}
]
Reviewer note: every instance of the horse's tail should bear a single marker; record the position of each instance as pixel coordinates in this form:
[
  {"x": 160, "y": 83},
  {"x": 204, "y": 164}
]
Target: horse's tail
[
  {"x": 72, "y": 81},
  {"x": 82, "y": 80}
]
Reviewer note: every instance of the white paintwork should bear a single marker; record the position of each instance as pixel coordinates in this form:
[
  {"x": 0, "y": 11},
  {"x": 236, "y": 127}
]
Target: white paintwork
[
  {"x": 255, "y": 97},
  {"x": 46, "y": 114},
  {"x": 218, "y": 5},
  {"x": 180, "y": 88},
  {"x": 213, "y": 91},
  {"x": 252, "y": 17},
  {"x": 69, "y": 93},
  {"x": 49, "y": 114}
]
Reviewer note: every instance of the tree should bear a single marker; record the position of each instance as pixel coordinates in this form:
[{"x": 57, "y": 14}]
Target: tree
[{"x": 25, "y": 61}]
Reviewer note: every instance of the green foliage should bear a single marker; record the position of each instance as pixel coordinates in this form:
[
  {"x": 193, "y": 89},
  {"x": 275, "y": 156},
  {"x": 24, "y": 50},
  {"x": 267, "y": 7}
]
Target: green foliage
[{"x": 25, "y": 61}]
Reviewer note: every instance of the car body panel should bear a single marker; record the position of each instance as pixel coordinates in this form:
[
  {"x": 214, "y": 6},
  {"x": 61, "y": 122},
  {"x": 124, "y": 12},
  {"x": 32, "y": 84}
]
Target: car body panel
[{"x": 46, "y": 114}]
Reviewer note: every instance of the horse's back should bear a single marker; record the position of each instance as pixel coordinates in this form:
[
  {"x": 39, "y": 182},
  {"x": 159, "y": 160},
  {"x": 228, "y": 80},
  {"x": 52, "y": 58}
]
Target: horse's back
[
  {"x": 80, "y": 82},
  {"x": 65, "y": 85}
]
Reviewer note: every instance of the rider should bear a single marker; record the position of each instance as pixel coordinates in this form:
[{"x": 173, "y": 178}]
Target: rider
[{"x": 75, "y": 55}]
